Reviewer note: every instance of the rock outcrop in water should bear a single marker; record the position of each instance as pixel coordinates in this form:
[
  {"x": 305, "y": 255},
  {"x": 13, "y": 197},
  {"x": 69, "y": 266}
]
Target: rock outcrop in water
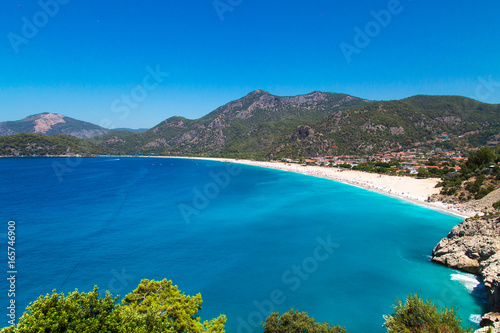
[{"x": 473, "y": 246}]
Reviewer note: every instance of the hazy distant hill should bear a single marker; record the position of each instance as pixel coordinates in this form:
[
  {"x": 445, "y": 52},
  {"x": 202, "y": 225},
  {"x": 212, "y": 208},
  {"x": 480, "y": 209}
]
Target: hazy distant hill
[
  {"x": 245, "y": 126},
  {"x": 419, "y": 121},
  {"x": 133, "y": 130},
  {"x": 51, "y": 123}
]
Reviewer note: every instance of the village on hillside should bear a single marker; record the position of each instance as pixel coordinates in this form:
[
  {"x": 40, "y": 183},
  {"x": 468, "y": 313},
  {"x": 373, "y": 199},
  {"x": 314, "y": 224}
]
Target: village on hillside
[{"x": 401, "y": 163}]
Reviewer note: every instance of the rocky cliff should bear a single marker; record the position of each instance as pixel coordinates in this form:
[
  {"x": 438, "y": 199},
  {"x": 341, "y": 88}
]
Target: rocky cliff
[{"x": 473, "y": 246}]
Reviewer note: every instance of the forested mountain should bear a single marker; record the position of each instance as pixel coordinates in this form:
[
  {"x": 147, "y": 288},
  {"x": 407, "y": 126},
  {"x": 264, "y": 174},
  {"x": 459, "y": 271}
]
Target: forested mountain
[
  {"x": 261, "y": 125},
  {"x": 245, "y": 126},
  {"x": 420, "y": 121}
]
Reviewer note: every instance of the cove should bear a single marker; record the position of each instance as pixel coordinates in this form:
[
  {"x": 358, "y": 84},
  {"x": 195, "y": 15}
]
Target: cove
[{"x": 267, "y": 241}]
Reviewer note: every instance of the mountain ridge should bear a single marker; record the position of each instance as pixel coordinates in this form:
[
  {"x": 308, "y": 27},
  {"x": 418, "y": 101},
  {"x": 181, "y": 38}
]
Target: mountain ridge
[
  {"x": 421, "y": 120},
  {"x": 239, "y": 126},
  {"x": 53, "y": 123},
  {"x": 263, "y": 125}
]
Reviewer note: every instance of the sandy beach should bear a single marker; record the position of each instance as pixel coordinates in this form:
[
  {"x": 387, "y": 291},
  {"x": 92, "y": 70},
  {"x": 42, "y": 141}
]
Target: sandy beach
[{"x": 406, "y": 188}]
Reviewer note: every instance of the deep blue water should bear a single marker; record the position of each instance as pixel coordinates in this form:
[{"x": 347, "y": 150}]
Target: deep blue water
[{"x": 263, "y": 240}]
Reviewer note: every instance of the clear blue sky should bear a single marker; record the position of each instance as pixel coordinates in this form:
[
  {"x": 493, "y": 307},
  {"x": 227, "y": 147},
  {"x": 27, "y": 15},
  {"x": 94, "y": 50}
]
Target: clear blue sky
[{"x": 87, "y": 55}]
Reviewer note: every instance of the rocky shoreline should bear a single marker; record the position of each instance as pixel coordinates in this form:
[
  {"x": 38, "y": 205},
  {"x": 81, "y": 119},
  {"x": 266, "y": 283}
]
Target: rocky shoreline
[
  {"x": 473, "y": 246},
  {"x": 482, "y": 205}
]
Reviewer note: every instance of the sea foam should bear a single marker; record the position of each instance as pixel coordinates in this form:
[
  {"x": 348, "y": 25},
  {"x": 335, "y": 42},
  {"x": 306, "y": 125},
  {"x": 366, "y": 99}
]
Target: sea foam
[
  {"x": 469, "y": 281},
  {"x": 475, "y": 318},
  {"x": 472, "y": 283}
]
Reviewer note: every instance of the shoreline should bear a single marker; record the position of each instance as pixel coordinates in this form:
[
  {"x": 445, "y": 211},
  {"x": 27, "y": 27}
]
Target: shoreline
[{"x": 412, "y": 190}]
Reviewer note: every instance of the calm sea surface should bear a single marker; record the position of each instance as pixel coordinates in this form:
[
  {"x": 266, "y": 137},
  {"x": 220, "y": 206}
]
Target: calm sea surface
[{"x": 250, "y": 240}]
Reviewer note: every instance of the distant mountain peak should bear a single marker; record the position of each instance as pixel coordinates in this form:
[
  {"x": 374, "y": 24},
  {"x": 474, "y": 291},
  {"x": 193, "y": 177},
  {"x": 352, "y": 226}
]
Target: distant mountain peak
[
  {"x": 258, "y": 92},
  {"x": 51, "y": 123},
  {"x": 46, "y": 113},
  {"x": 45, "y": 122}
]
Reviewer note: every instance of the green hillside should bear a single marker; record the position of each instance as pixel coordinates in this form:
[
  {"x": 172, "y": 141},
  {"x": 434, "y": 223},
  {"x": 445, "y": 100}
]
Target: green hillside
[
  {"x": 28, "y": 144},
  {"x": 446, "y": 122},
  {"x": 250, "y": 125}
]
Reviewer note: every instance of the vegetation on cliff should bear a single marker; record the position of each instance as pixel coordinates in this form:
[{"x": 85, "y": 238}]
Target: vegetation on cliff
[{"x": 478, "y": 176}]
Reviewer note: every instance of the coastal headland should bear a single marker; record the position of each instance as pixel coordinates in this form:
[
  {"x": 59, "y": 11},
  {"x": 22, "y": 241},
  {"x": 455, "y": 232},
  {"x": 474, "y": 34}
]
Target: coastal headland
[{"x": 473, "y": 247}]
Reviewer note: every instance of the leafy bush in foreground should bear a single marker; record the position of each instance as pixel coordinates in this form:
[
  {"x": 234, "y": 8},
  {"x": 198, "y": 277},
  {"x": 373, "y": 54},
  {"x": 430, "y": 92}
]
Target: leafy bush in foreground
[
  {"x": 293, "y": 321},
  {"x": 153, "y": 307},
  {"x": 421, "y": 316},
  {"x": 158, "y": 306}
]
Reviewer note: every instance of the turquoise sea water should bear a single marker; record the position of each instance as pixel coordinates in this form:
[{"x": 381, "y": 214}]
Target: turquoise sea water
[{"x": 250, "y": 240}]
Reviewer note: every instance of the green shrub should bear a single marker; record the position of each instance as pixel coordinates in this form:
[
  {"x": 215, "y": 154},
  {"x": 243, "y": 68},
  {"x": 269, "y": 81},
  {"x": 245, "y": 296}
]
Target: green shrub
[
  {"x": 297, "y": 322},
  {"x": 484, "y": 192},
  {"x": 345, "y": 166},
  {"x": 496, "y": 205},
  {"x": 423, "y": 173},
  {"x": 421, "y": 316},
  {"x": 480, "y": 158},
  {"x": 153, "y": 307}
]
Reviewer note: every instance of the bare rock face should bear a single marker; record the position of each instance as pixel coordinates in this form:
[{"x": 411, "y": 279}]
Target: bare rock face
[
  {"x": 303, "y": 132},
  {"x": 490, "y": 270},
  {"x": 397, "y": 130},
  {"x": 310, "y": 142},
  {"x": 473, "y": 246},
  {"x": 46, "y": 121},
  {"x": 453, "y": 254},
  {"x": 449, "y": 120},
  {"x": 490, "y": 321}
]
